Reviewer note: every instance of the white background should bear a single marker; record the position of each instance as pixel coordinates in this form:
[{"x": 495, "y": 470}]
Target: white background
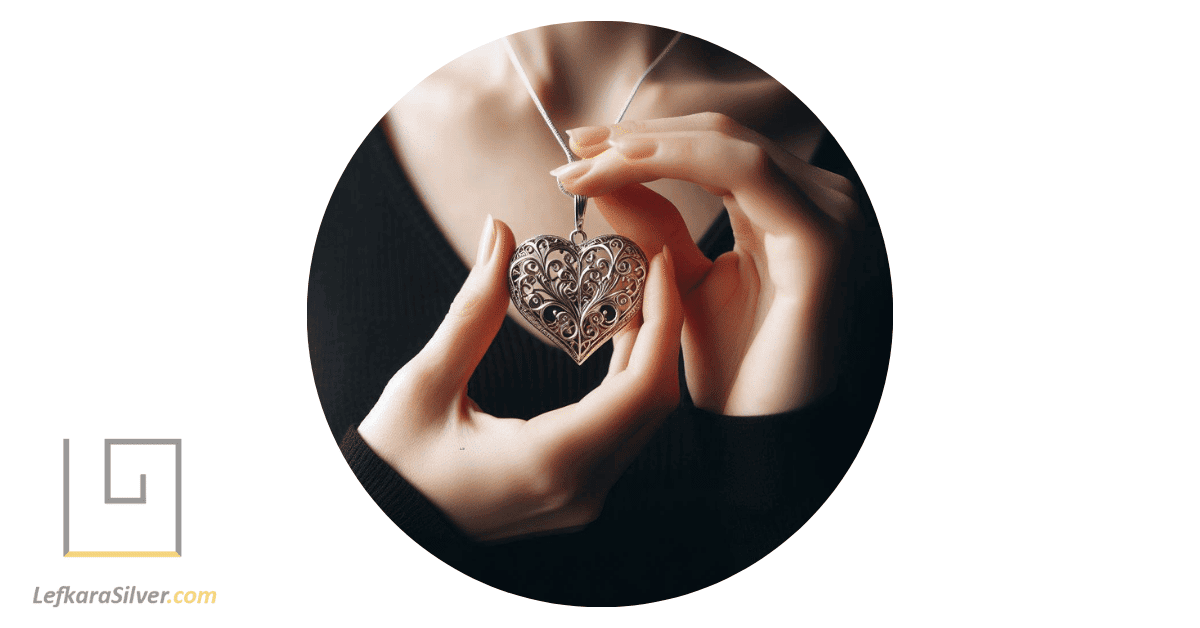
[{"x": 164, "y": 172}]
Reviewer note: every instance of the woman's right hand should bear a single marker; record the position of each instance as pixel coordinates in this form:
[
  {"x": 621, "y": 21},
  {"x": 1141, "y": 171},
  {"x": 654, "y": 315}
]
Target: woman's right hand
[{"x": 505, "y": 478}]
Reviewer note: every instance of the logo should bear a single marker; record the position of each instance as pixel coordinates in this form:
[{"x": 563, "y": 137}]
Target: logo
[{"x": 143, "y": 526}]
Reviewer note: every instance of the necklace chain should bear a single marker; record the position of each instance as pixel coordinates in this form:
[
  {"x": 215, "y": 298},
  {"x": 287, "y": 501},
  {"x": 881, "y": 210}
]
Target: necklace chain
[{"x": 581, "y": 201}]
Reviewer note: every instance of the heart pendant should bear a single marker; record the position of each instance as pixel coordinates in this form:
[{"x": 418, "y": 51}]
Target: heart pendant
[{"x": 578, "y": 295}]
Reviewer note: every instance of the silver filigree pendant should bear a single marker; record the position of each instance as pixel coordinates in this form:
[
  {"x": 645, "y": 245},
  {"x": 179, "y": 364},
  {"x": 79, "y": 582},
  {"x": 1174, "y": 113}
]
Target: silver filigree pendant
[{"x": 578, "y": 295}]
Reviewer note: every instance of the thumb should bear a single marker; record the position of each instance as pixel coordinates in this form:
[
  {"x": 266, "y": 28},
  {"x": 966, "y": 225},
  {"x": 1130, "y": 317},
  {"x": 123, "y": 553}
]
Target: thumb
[{"x": 446, "y": 362}]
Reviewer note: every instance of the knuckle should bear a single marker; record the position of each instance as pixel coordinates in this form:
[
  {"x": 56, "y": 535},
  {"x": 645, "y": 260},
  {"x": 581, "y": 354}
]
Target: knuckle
[
  {"x": 548, "y": 486},
  {"x": 555, "y": 500},
  {"x": 552, "y": 488},
  {"x": 755, "y": 162},
  {"x": 719, "y": 122}
]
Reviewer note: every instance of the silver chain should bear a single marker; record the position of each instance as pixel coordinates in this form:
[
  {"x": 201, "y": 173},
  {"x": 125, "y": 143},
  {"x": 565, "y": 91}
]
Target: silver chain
[{"x": 580, "y": 201}]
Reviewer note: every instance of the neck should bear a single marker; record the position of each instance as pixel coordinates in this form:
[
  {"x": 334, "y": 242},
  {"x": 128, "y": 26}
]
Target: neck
[{"x": 583, "y": 71}]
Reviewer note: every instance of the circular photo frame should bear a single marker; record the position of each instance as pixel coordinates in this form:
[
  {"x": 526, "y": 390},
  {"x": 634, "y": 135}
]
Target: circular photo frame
[{"x": 726, "y": 406}]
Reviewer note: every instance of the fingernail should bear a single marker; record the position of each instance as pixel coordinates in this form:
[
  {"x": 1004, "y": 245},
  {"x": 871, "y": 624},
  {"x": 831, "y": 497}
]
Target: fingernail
[
  {"x": 572, "y": 172},
  {"x": 635, "y": 147},
  {"x": 487, "y": 240},
  {"x": 666, "y": 253},
  {"x": 586, "y": 136}
]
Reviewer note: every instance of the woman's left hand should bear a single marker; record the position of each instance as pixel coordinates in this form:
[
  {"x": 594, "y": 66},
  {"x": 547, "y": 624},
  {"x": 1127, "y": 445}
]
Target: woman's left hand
[{"x": 760, "y": 323}]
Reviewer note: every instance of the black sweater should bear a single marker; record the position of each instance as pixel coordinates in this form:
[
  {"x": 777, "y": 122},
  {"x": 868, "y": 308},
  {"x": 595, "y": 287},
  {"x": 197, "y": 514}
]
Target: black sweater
[{"x": 708, "y": 496}]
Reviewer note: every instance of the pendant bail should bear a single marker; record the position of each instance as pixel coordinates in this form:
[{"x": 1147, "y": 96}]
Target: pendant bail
[{"x": 580, "y": 208}]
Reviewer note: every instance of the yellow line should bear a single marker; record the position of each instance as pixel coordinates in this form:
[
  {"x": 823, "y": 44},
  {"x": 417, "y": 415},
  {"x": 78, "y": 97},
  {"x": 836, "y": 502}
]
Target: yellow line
[{"x": 122, "y": 555}]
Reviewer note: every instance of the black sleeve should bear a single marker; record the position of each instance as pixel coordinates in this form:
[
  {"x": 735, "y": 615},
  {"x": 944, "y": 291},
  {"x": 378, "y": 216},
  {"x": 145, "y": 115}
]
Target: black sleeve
[
  {"x": 768, "y": 474},
  {"x": 403, "y": 503}
]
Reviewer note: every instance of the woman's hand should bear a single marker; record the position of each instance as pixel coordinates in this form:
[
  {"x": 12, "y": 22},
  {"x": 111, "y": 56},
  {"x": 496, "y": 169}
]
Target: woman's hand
[
  {"x": 505, "y": 478},
  {"x": 759, "y": 333}
]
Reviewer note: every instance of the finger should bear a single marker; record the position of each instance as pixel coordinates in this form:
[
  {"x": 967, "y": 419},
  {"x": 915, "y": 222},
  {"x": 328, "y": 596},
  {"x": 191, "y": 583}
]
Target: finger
[
  {"x": 725, "y": 166},
  {"x": 653, "y": 222},
  {"x": 644, "y": 392},
  {"x": 656, "y": 353},
  {"x": 446, "y": 362},
  {"x": 623, "y": 346},
  {"x": 590, "y": 141}
]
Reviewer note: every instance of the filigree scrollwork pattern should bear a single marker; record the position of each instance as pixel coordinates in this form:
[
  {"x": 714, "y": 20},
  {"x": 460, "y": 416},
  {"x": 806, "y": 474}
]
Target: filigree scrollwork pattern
[{"x": 579, "y": 296}]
